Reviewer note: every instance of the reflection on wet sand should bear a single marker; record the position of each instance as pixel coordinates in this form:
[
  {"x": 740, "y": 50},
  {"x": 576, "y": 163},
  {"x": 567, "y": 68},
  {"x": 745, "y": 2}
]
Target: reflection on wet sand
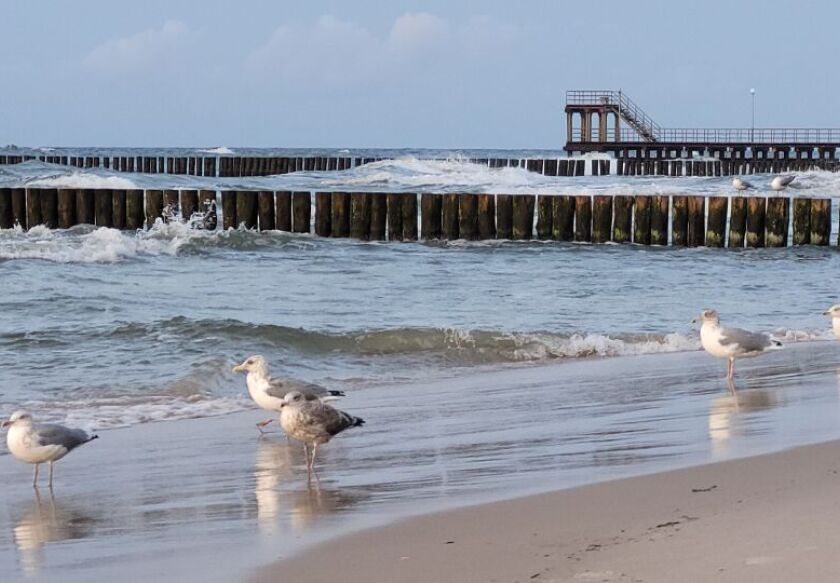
[
  {"x": 727, "y": 414},
  {"x": 47, "y": 521},
  {"x": 301, "y": 503}
]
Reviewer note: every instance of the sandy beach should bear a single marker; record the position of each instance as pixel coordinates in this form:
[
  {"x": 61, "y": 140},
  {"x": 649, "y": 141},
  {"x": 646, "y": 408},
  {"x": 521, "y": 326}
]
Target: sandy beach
[{"x": 761, "y": 519}]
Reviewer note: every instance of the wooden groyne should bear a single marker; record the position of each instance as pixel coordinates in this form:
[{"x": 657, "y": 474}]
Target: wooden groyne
[
  {"x": 690, "y": 221},
  {"x": 238, "y": 166}
]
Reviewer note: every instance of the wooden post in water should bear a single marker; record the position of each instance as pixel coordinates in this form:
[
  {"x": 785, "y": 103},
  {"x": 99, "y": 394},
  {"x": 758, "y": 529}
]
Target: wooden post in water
[
  {"x": 468, "y": 216},
  {"x": 820, "y": 221},
  {"x": 49, "y": 207},
  {"x": 563, "y": 218},
  {"x": 601, "y": 219},
  {"x": 265, "y": 210},
  {"x": 189, "y": 204},
  {"x": 283, "y": 211},
  {"x": 134, "y": 209},
  {"x": 301, "y": 212},
  {"x": 523, "y": 216},
  {"x": 7, "y": 220},
  {"x": 395, "y": 227},
  {"x": 19, "y": 207},
  {"x": 430, "y": 216},
  {"x": 716, "y": 229},
  {"x": 228, "y": 209},
  {"x": 33, "y": 207},
  {"x": 545, "y": 216},
  {"x": 486, "y": 216},
  {"x": 777, "y": 221},
  {"x": 171, "y": 204},
  {"x": 659, "y": 220},
  {"x": 360, "y": 215},
  {"x": 246, "y": 209},
  {"x": 340, "y": 214},
  {"x": 118, "y": 209},
  {"x": 737, "y": 222},
  {"x": 697, "y": 219},
  {"x": 449, "y": 217},
  {"x": 679, "y": 221},
  {"x": 622, "y": 219},
  {"x": 801, "y": 221},
  {"x": 583, "y": 218},
  {"x": 323, "y": 214},
  {"x": 409, "y": 217},
  {"x": 756, "y": 217},
  {"x": 641, "y": 220},
  {"x": 378, "y": 217},
  {"x": 504, "y": 216}
]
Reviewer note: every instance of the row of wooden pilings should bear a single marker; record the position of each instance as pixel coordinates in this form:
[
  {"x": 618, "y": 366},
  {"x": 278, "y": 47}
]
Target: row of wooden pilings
[{"x": 693, "y": 221}]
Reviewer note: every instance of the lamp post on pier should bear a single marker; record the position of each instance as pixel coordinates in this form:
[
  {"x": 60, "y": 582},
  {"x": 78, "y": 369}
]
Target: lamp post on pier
[{"x": 752, "y": 126}]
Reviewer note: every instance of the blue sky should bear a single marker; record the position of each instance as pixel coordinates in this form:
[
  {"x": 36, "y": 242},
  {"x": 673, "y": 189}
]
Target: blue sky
[{"x": 400, "y": 74}]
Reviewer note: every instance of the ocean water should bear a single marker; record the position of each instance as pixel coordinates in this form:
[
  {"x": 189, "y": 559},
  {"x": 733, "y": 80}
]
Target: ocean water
[{"x": 107, "y": 328}]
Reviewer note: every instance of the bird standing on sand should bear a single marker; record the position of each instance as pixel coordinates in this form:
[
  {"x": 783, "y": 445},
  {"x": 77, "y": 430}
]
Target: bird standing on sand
[
  {"x": 779, "y": 183},
  {"x": 731, "y": 343},
  {"x": 268, "y": 392},
  {"x": 313, "y": 422},
  {"x": 38, "y": 443},
  {"x": 740, "y": 184},
  {"x": 834, "y": 312}
]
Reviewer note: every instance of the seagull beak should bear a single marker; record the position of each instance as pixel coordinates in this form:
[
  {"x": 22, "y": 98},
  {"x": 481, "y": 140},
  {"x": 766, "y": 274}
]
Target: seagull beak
[
  {"x": 5, "y": 424},
  {"x": 826, "y": 313},
  {"x": 282, "y": 404},
  {"x": 693, "y": 321},
  {"x": 238, "y": 368}
]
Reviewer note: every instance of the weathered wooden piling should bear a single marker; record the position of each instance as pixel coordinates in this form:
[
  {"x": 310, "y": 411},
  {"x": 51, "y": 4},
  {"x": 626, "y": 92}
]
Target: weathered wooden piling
[
  {"x": 246, "y": 209},
  {"x": 134, "y": 210},
  {"x": 49, "y": 207},
  {"x": 641, "y": 220},
  {"x": 7, "y": 220},
  {"x": 409, "y": 217},
  {"x": 659, "y": 220},
  {"x": 696, "y": 219},
  {"x": 737, "y": 222},
  {"x": 820, "y": 221},
  {"x": 340, "y": 214},
  {"x": 583, "y": 218},
  {"x": 545, "y": 217},
  {"x": 622, "y": 219},
  {"x": 523, "y": 216},
  {"x": 468, "y": 216},
  {"x": 19, "y": 207},
  {"x": 171, "y": 202},
  {"x": 33, "y": 208},
  {"x": 395, "y": 217},
  {"x": 360, "y": 215},
  {"x": 563, "y": 218},
  {"x": 228, "y": 209},
  {"x": 301, "y": 212},
  {"x": 118, "y": 201},
  {"x": 430, "y": 215},
  {"x": 504, "y": 216},
  {"x": 265, "y": 210},
  {"x": 716, "y": 228},
  {"x": 283, "y": 211},
  {"x": 756, "y": 218},
  {"x": 449, "y": 217},
  {"x": 378, "y": 217},
  {"x": 486, "y": 216},
  {"x": 601, "y": 219},
  {"x": 777, "y": 221},
  {"x": 679, "y": 221},
  {"x": 103, "y": 212},
  {"x": 801, "y": 221},
  {"x": 323, "y": 214},
  {"x": 189, "y": 204}
]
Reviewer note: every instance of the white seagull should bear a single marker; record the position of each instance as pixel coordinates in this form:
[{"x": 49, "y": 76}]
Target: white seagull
[
  {"x": 834, "y": 312},
  {"x": 732, "y": 343},
  {"x": 268, "y": 392},
  {"x": 38, "y": 443},
  {"x": 781, "y": 182},
  {"x": 740, "y": 184},
  {"x": 313, "y": 422}
]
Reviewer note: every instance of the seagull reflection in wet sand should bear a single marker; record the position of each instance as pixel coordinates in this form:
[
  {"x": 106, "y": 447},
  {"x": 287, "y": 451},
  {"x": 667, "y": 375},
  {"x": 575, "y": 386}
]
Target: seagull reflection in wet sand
[{"x": 726, "y": 414}]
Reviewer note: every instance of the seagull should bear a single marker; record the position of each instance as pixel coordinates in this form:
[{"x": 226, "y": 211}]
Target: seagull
[
  {"x": 731, "y": 343},
  {"x": 37, "y": 443},
  {"x": 781, "y": 182},
  {"x": 313, "y": 422},
  {"x": 268, "y": 392},
  {"x": 834, "y": 312},
  {"x": 740, "y": 184}
]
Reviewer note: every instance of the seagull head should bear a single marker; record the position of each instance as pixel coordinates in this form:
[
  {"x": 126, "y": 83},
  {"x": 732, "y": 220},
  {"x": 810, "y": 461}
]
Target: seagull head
[
  {"x": 17, "y": 416},
  {"x": 293, "y": 399},
  {"x": 710, "y": 316},
  {"x": 254, "y": 363},
  {"x": 833, "y": 311}
]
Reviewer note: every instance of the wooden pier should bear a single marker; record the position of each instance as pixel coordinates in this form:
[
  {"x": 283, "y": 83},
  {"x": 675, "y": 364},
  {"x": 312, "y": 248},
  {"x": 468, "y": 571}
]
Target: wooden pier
[{"x": 684, "y": 221}]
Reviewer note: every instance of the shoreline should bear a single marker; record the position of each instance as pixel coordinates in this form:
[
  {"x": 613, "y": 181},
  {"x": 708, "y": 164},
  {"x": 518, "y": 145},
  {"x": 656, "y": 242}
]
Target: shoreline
[{"x": 718, "y": 521}]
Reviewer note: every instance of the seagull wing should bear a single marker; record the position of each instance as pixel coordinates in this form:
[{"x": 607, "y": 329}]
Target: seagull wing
[
  {"x": 66, "y": 437},
  {"x": 328, "y": 420},
  {"x": 746, "y": 341},
  {"x": 278, "y": 387}
]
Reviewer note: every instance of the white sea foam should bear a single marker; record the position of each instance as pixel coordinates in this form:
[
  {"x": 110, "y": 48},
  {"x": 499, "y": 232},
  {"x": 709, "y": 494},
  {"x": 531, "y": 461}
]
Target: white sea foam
[
  {"x": 219, "y": 150},
  {"x": 82, "y": 180}
]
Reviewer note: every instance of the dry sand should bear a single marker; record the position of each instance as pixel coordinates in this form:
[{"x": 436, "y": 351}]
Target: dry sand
[{"x": 762, "y": 519}]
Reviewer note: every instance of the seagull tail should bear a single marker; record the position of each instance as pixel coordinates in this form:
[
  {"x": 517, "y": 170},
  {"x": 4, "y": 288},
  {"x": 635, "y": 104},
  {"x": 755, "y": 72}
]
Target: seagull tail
[
  {"x": 92, "y": 437},
  {"x": 776, "y": 344},
  {"x": 357, "y": 422},
  {"x": 336, "y": 394}
]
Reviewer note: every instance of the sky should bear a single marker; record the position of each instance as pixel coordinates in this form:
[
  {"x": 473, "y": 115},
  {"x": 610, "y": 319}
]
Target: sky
[{"x": 437, "y": 74}]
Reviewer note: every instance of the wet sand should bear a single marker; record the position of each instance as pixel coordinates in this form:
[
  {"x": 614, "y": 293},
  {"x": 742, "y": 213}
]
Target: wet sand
[
  {"x": 761, "y": 519},
  {"x": 209, "y": 500}
]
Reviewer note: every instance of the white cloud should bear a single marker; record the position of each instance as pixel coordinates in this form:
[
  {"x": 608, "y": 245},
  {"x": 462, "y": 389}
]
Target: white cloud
[
  {"x": 418, "y": 32},
  {"x": 154, "y": 47}
]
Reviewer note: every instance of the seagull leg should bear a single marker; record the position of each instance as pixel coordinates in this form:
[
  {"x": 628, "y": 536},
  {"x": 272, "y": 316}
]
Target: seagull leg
[
  {"x": 306, "y": 454},
  {"x": 262, "y": 424},
  {"x": 730, "y": 372},
  {"x": 35, "y": 478},
  {"x": 314, "y": 453},
  {"x": 731, "y": 384},
  {"x": 51, "y": 474}
]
